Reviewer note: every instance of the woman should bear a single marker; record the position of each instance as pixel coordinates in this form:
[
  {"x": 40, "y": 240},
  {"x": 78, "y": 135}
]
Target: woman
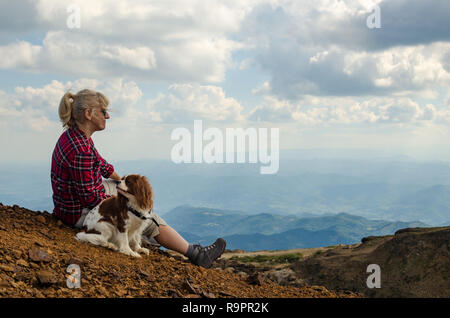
[{"x": 77, "y": 171}]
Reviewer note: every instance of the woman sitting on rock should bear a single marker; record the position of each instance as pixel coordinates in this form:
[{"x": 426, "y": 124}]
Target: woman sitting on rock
[{"x": 77, "y": 171}]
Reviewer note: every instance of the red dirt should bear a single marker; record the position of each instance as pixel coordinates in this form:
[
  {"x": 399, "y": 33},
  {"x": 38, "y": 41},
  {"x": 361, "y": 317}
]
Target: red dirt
[{"x": 36, "y": 249}]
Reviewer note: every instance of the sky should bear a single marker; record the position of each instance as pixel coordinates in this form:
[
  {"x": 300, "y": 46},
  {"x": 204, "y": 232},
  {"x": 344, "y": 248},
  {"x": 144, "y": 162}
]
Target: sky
[{"x": 315, "y": 69}]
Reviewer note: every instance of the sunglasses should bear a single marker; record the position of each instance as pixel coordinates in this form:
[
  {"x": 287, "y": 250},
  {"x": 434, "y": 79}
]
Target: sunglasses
[{"x": 104, "y": 112}]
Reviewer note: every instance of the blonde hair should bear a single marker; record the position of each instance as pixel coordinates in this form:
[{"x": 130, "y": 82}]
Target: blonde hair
[{"x": 72, "y": 107}]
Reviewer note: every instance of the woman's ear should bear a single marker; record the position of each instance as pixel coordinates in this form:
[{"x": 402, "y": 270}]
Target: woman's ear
[{"x": 88, "y": 114}]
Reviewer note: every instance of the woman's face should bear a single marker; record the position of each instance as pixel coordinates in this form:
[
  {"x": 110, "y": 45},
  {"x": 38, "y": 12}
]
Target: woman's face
[{"x": 99, "y": 117}]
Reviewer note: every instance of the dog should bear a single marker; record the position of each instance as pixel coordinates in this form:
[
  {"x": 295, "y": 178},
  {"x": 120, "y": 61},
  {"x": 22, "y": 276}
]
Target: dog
[{"x": 118, "y": 221}]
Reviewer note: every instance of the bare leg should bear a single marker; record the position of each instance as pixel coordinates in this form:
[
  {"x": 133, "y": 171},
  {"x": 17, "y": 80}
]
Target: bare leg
[{"x": 169, "y": 238}]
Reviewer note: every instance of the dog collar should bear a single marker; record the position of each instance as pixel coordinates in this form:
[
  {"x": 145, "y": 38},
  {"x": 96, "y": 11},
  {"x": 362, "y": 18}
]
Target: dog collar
[{"x": 139, "y": 215}]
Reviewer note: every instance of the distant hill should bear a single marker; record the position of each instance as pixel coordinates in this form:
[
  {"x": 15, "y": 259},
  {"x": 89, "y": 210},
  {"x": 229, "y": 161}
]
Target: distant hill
[
  {"x": 375, "y": 189},
  {"x": 298, "y": 238},
  {"x": 267, "y": 232},
  {"x": 429, "y": 203}
]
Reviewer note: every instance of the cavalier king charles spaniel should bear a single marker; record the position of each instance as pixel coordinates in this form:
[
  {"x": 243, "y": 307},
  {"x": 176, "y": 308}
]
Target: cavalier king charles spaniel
[{"x": 118, "y": 221}]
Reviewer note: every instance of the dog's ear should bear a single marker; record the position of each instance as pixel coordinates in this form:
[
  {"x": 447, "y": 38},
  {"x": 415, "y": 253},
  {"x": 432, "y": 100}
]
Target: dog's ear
[{"x": 144, "y": 193}]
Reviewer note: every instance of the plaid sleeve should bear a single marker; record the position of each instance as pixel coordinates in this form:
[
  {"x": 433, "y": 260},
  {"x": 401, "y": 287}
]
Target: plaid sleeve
[
  {"x": 85, "y": 182},
  {"x": 106, "y": 169}
]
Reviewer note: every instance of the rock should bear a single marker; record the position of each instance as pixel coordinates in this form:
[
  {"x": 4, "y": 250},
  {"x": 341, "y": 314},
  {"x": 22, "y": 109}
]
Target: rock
[
  {"x": 229, "y": 269},
  {"x": 4, "y": 284},
  {"x": 39, "y": 294},
  {"x": 24, "y": 276},
  {"x": 120, "y": 292},
  {"x": 38, "y": 255},
  {"x": 225, "y": 294},
  {"x": 255, "y": 279},
  {"x": 17, "y": 269},
  {"x": 208, "y": 295},
  {"x": 6, "y": 268},
  {"x": 38, "y": 243},
  {"x": 196, "y": 289},
  {"x": 191, "y": 287},
  {"x": 318, "y": 288},
  {"x": 41, "y": 219},
  {"x": 283, "y": 276},
  {"x": 243, "y": 275},
  {"x": 145, "y": 274},
  {"x": 173, "y": 293},
  {"x": 34, "y": 265},
  {"x": 74, "y": 260},
  {"x": 46, "y": 277},
  {"x": 102, "y": 290},
  {"x": 17, "y": 253}
]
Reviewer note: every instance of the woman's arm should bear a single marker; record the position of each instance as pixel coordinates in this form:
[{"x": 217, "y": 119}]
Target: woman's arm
[
  {"x": 106, "y": 169},
  {"x": 81, "y": 172}
]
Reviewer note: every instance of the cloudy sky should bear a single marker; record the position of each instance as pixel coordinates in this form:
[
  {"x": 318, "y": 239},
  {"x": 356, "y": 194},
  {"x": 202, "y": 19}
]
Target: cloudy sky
[{"x": 312, "y": 68}]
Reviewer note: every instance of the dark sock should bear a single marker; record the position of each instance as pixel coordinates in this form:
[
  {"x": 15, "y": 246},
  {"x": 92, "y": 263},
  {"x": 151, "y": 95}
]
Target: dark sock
[{"x": 190, "y": 251}]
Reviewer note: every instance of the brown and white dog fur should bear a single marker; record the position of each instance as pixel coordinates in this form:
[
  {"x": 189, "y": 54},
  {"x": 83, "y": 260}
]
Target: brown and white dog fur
[{"x": 112, "y": 225}]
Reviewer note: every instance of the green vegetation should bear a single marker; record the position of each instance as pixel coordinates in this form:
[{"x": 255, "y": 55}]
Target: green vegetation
[
  {"x": 270, "y": 259},
  {"x": 317, "y": 253}
]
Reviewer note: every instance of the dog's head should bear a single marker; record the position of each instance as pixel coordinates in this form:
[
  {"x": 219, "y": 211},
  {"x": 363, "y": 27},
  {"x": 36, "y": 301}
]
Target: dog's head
[{"x": 137, "y": 188}]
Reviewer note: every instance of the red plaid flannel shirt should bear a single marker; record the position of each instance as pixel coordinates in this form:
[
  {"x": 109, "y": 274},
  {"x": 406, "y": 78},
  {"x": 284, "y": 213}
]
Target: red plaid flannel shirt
[{"x": 76, "y": 174}]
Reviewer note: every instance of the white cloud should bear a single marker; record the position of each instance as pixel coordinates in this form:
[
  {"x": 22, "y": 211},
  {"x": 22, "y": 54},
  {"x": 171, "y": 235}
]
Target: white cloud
[
  {"x": 158, "y": 40},
  {"x": 187, "y": 102},
  {"x": 30, "y": 108},
  {"x": 323, "y": 111},
  {"x": 20, "y": 54},
  {"x": 273, "y": 110},
  {"x": 323, "y": 48},
  {"x": 139, "y": 57},
  {"x": 36, "y": 108},
  {"x": 324, "y": 70}
]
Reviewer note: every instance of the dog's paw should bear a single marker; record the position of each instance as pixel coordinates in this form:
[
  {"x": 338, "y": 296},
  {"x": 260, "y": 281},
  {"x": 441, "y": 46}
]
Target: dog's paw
[
  {"x": 129, "y": 252},
  {"x": 112, "y": 246},
  {"x": 144, "y": 250},
  {"x": 134, "y": 254}
]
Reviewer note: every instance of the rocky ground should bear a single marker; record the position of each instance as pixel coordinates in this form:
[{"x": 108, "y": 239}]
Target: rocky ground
[
  {"x": 414, "y": 262},
  {"x": 36, "y": 250},
  {"x": 276, "y": 266}
]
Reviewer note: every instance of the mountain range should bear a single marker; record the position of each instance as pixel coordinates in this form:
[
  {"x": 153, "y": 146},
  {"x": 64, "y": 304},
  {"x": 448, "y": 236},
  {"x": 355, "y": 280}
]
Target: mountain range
[
  {"x": 395, "y": 189},
  {"x": 266, "y": 231}
]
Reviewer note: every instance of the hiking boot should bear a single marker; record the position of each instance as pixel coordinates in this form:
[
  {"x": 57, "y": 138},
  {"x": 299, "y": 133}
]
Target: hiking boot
[{"x": 205, "y": 256}]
